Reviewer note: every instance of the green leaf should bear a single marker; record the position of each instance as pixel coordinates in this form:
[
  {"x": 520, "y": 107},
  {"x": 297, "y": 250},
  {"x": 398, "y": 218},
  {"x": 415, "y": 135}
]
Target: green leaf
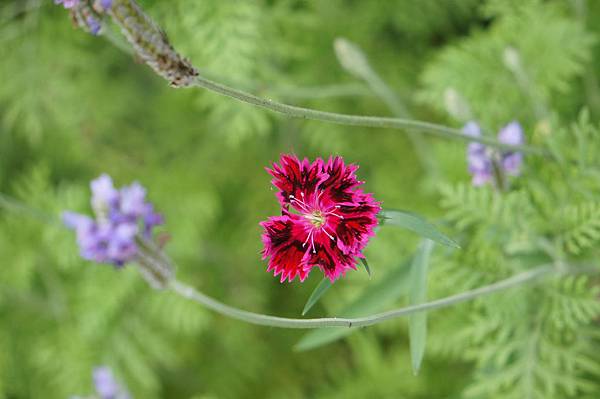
[
  {"x": 366, "y": 265},
  {"x": 417, "y": 323},
  {"x": 374, "y": 298},
  {"x": 318, "y": 292},
  {"x": 417, "y": 224}
]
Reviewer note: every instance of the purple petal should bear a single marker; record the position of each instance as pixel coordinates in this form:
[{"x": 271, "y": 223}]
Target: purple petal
[
  {"x": 133, "y": 199},
  {"x": 125, "y": 232},
  {"x": 480, "y": 179},
  {"x": 67, "y": 3},
  {"x": 94, "y": 25},
  {"x": 478, "y": 159},
  {"x": 106, "y": 4},
  {"x": 472, "y": 129},
  {"x": 104, "y": 194},
  {"x": 151, "y": 219},
  {"x": 511, "y": 163},
  {"x": 76, "y": 221},
  {"x": 106, "y": 385},
  {"x": 511, "y": 134}
]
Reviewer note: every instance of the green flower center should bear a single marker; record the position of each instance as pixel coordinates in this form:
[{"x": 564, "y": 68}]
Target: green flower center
[{"x": 317, "y": 218}]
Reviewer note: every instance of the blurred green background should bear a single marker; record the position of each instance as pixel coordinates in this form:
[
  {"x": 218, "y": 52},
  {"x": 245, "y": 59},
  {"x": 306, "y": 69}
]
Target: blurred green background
[{"x": 73, "y": 106}]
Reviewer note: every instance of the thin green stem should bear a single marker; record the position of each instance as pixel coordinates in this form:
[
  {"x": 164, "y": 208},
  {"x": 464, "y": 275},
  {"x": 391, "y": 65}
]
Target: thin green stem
[
  {"x": 283, "y": 322},
  {"x": 14, "y": 205},
  {"x": 318, "y": 92},
  {"x": 357, "y": 120}
]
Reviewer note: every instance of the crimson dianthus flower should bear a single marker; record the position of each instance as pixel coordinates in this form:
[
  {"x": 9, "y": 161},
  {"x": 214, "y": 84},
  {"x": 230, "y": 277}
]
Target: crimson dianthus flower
[{"x": 326, "y": 219}]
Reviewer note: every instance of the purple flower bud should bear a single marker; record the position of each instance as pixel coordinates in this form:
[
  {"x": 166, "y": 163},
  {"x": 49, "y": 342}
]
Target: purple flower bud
[
  {"x": 106, "y": 385},
  {"x": 151, "y": 219},
  {"x": 67, "y": 3},
  {"x": 511, "y": 161},
  {"x": 106, "y": 4},
  {"x": 93, "y": 25},
  {"x": 479, "y": 161}
]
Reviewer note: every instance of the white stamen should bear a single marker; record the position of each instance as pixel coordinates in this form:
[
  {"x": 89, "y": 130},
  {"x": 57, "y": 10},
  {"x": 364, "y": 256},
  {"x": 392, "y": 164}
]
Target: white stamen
[
  {"x": 328, "y": 235},
  {"x": 334, "y": 214},
  {"x": 307, "y": 238},
  {"x": 301, "y": 204}
]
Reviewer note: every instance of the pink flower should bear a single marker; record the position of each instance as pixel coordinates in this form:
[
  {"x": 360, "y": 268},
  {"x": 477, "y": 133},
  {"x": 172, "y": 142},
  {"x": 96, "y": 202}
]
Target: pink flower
[{"x": 326, "y": 219}]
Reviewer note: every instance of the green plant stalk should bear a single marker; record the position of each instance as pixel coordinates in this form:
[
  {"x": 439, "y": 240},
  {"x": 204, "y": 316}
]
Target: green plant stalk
[
  {"x": 357, "y": 120},
  {"x": 191, "y": 293},
  {"x": 283, "y": 322},
  {"x": 16, "y": 206}
]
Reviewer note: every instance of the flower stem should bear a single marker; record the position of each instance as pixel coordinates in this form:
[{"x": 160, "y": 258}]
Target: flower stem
[
  {"x": 357, "y": 120},
  {"x": 283, "y": 322}
]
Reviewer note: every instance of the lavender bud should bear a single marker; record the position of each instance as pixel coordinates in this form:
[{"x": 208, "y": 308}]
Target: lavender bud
[
  {"x": 351, "y": 57},
  {"x": 93, "y": 25}
]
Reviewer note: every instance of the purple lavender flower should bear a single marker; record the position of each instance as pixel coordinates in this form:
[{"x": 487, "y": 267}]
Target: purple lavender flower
[
  {"x": 482, "y": 159},
  {"x": 107, "y": 386},
  {"x": 121, "y": 215},
  {"x": 67, "y": 3}
]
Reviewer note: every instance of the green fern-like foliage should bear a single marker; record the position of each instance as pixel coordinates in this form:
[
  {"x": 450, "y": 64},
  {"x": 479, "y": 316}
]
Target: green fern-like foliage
[
  {"x": 73, "y": 106},
  {"x": 528, "y": 343},
  {"x": 582, "y": 226},
  {"x": 496, "y": 89},
  {"x": 225, "y": 38}
]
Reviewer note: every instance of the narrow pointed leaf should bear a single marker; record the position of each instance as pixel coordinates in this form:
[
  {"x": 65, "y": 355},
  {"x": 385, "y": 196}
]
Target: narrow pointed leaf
[
  {"x": 417, "y": 323},
  {"x": 366, "y": 265},
  {"x": 318, "y": 292},
  {"x": 374, "y": 298},
  {"x": 417, "y": 224}
]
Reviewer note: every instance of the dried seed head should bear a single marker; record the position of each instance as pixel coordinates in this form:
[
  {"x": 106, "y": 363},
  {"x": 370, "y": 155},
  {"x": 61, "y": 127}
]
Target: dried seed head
[{"x": 151, "y": 43}]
